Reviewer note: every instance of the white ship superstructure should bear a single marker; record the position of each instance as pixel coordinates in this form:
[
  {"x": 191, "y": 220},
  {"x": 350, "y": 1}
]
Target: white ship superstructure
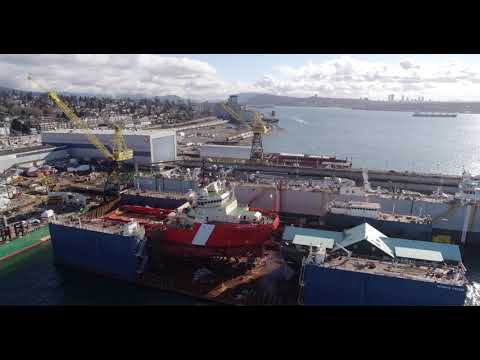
[{"x": 217, "y": 203}]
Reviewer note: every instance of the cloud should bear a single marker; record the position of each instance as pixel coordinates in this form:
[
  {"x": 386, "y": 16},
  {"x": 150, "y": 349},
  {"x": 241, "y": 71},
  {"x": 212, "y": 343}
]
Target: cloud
[
  {"x": 150, "y": 75},
  {"x": 350, "y": 77},
  {"x": 156, "y": 75},
  {"x": 407, "y": 64}
]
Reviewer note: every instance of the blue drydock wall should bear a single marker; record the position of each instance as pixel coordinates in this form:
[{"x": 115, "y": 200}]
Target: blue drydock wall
[
  {"x": 108, "y": 254},
  {"x": 326, "y": 286}
]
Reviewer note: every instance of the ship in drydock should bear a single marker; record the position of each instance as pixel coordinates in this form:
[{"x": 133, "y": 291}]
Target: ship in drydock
[{"x": 215, "y": 226}]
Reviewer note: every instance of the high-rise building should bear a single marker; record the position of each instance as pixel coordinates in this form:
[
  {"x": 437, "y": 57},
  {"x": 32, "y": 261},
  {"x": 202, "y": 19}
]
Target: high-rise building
[
  {"x": 391, "y": 97},
  {"x": 403, "y": 98},
  {"x": 233, "y": 103}
]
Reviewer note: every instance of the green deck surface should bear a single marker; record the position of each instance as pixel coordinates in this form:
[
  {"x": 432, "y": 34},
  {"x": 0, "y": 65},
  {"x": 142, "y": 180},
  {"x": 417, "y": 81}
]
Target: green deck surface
[{"x": 24, "y": 241}]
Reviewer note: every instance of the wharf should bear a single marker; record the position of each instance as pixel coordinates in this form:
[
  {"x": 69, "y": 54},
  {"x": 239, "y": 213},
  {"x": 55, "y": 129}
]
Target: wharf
[{"x": 407, "y": 180}]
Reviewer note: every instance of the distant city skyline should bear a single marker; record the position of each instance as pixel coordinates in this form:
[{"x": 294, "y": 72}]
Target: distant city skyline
[{"x": 211, "y": 77}]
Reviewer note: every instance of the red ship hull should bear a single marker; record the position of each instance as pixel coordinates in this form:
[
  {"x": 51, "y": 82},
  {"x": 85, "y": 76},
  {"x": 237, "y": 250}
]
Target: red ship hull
[{"x": 208, "y": 240}]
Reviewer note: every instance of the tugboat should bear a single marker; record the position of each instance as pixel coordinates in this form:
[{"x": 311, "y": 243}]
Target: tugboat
[{"x": 215, "y": 226}]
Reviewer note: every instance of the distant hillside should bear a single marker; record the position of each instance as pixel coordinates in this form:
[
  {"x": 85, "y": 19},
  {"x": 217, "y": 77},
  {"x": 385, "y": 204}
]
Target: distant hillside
[
  {"x": 363, "y": 104},
  {"x": 268, "y": 99},
  {"x": 171, "y": 98}
]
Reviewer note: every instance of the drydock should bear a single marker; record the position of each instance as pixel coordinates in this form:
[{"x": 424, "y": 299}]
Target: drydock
[
  {"x": 119, "y": 239},
  {"x": 115, "y": 240}
]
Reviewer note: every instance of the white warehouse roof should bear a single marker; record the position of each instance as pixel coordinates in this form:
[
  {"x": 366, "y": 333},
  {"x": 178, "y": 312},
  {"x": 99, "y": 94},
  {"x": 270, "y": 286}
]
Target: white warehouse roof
[{"x": 152, "y": 132}]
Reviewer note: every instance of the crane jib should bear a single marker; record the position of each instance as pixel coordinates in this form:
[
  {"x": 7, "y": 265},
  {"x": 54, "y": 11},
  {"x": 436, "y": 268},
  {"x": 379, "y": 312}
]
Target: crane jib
[{"x": 120, "y": 150}]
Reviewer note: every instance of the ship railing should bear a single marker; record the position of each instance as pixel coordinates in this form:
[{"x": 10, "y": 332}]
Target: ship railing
[{"x": 81, "y": 225}]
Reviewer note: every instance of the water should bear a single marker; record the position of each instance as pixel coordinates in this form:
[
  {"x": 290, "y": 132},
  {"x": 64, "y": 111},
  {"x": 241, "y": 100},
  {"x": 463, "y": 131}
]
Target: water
[
  {"x": 380, "y": 139},
  {"x": 32, "y": 279}
]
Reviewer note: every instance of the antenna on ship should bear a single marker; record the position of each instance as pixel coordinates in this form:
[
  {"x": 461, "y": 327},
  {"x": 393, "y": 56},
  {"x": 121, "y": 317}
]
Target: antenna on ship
[{"x": 203, "y": 173}]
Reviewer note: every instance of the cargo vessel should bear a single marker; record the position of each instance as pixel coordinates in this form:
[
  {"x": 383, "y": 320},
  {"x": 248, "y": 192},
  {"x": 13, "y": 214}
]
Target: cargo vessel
[
  {"x": 215, "y": 226},
  {"x": 362, "y": 266},
  {"x": 307, "y": 160},
  {"x": 425, "y": 114}
]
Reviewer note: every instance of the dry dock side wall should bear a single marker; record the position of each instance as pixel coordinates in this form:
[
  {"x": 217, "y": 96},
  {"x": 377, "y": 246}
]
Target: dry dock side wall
[
  {"x": 108, "y": 254},
  {"x": 156, "y": 202},
  {"x": 324, "y": 286},
  {"x": 161, "y": 184}
]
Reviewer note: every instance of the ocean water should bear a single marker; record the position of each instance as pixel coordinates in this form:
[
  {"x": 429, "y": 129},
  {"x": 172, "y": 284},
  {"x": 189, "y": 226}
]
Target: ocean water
[
  {"x": 31, "y": 278},
  {"x": 380, "y": 139}
]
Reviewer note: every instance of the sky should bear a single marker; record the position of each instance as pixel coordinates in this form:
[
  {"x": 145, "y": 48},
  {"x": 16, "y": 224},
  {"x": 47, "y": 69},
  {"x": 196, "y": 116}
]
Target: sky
[{"x": 215, "y": 76}]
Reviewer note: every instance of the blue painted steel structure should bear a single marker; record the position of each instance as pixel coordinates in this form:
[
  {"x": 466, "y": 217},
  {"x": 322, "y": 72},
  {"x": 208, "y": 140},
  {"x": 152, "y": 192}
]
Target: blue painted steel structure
[
  {"x": 114, "y": 255},
  {"x": 107, "y": 254},
  {"x": 329, "y": 286}
]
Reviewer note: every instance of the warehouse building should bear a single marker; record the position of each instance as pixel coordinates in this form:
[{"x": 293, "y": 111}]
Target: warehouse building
[
  {"x": 149, "y": 146},
  {"x": 31, "y": 155},
  {"x": 225, "y": 151}
]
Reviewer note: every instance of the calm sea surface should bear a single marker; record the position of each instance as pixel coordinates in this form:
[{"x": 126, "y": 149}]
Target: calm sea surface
[
  {"x": 380, "y": 139},
  {"x": 376, "y": 140}
]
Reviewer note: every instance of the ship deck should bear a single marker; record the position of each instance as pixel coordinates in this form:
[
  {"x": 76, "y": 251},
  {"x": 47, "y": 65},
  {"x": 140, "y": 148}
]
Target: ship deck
[{"x": 445, "y": 274}]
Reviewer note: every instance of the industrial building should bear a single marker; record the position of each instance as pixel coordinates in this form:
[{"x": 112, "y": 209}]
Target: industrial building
[
  {"x": 225, "y": 151},
  {"x": 34, "y": 154},
  {"x": 149, "y": 146}
]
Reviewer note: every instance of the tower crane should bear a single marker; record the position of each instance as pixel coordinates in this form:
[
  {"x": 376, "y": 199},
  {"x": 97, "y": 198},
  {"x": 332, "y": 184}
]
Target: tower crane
[
  {"x": 120, "y": 151},
  {"x": 258, "y": 128}
]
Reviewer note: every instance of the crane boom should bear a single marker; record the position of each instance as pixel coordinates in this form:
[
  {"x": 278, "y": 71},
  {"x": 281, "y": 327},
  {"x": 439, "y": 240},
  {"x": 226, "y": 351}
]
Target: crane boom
[
  {"x": 76, "y": 120},
  {"x": 258, "y": 128}
]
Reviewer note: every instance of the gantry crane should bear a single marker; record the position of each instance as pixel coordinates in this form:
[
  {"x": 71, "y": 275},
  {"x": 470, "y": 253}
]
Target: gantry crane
[
  {"x": 258, "y": 128},
  {"x": 120, "y": 151}
]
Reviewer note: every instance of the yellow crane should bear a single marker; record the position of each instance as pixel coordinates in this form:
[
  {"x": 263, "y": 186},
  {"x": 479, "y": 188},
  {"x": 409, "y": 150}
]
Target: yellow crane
[
  {"x": 258, "y": 128},
  {"x": 120, "y": 151}
]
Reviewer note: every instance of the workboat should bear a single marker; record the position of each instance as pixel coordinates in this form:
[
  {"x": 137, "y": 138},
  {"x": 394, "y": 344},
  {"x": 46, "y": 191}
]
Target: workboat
[{"x": 214, "y": 225}]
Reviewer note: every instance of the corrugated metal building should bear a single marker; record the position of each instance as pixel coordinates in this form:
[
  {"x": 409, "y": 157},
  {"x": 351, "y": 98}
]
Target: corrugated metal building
[
  {"x": 35, "y": 154},
  {"x": 225, "y": 151},
  {"x": 148, "y": 145}
]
